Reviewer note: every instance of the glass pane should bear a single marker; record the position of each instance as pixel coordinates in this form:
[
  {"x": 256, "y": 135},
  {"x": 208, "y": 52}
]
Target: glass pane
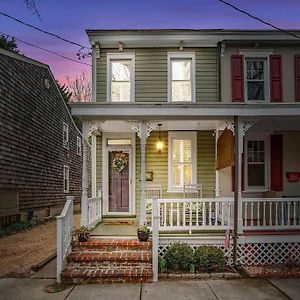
[
  {"x": 256, "y": 175},
  {"x": 187, "y": 150},
  {"x": 256, "y": 90},
  {"x": 176, "y": 175},
  {"x": 187, "y": 174},
  {"x": 181, "y": 91},
  {"x": 176, "y": 151},
  {"x": 255, "y": 69},
  {"x": 118, "y": 142},
  {"x": 181, "y": 69},
  {"x": 120, "y": 91},
  {"x": 120, "y": 70}
]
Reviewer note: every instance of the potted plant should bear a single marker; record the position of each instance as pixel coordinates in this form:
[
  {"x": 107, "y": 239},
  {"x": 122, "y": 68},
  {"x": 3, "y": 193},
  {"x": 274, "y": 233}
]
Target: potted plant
[
  {"x": 143, "y": 233},
  {"x": 82, "y": 233}
]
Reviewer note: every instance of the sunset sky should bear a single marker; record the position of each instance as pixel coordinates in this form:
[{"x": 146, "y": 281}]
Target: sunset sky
[{"x": 71, "y": 18}]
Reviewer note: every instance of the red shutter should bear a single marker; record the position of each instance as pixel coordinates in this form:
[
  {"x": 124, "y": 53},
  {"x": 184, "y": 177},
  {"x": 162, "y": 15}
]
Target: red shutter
[
  {"x": 237, "y": 75},
  {"x": 276, "y": 162},
  {"x": 297, "y": 77},
  {"x": 275, "y": 78}
]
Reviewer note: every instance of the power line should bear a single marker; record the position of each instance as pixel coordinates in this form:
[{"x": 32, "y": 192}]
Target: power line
[
  {"x": 44, "y": 31},
  {"x": 49, "y": 51},
  {"x": 259, "y": 19}
]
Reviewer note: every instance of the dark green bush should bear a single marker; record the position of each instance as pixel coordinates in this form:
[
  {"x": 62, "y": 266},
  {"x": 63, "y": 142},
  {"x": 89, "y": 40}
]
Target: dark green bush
[
  {"x": 179, "y": 257},
  {"x": 209, "y": 259},
  {"x": 14, "y": 228}
]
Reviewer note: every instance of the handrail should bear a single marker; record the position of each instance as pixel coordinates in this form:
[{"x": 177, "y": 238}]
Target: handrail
[
  {"x": 155, "y": 239},
  {"x": 64, "y": 235}
]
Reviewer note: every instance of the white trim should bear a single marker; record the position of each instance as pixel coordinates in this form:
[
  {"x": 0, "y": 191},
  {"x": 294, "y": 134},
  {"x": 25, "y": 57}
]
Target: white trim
[
  {"x": 66, "y": 141},
  {"x": 124, "y": 56},
  {"x": 182, "y": 55},
  {"x": 79, "y": 145},
  {"x": 184, "y": 135},
  {"x": 94, "y": 166},
  {"x": 132, "y": 172},
  {"x": 256, "y": 52},
  {"x": 94, "y": 75},
  {"x": 266, "y": 60},
  {"x": 66, "y": 176},
  {"x": 194, "y": 111},
  {"x": 258, "y": 136}
]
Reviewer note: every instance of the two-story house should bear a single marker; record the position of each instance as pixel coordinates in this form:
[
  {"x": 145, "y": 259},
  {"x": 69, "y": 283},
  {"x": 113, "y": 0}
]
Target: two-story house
[
  {"x": 205, "y": 121},
  {"x": 40, "y": 145}
]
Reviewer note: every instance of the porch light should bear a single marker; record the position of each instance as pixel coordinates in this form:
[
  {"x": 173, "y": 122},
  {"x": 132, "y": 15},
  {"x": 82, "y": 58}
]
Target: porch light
[{"x": 159, "y": 144}]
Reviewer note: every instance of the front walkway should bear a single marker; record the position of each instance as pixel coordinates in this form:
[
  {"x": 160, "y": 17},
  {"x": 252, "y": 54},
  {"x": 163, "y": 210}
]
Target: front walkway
[{"x": 245, "y": 289}]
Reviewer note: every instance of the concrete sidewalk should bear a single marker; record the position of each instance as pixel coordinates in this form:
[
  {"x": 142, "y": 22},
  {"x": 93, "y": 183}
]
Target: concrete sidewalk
[{"x": 244, "y": 289}]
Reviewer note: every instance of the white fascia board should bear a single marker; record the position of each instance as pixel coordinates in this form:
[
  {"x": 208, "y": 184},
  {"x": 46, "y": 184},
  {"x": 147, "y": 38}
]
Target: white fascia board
[{"x": 181, "y": 111}]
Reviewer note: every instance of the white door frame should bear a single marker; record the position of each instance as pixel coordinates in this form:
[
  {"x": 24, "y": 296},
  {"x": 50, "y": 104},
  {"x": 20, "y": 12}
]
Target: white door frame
[{"x": 105, "y": 178}]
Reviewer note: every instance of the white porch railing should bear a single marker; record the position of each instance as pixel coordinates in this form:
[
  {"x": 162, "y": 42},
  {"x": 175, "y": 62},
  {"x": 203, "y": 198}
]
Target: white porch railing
[
  {"x": 195, "y": 214},
  {"x": 64, "y": 235},
  {"x": 95, "y": 210},
  {"x": 271, "y": 213}
]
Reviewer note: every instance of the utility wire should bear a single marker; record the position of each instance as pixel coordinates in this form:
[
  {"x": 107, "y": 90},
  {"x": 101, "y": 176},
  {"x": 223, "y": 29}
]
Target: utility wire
[
  {"x": 49, "y": 51},
  {"x": 44, "y": 31},
  {"x": 259, "y": 19}
]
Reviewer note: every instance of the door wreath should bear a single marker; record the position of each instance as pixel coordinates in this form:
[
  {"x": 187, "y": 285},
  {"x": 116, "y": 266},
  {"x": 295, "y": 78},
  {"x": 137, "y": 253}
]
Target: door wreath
[{"x": 119, "y": 161}]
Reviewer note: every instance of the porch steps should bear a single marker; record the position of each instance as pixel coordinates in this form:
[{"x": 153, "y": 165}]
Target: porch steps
[{"x": 109, "y": 261}]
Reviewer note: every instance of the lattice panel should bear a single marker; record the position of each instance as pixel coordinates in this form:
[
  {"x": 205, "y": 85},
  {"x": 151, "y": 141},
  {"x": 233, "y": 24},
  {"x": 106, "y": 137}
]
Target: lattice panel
[
  {"x": 268, "y": 253},
  {"x": 163, "y": 248}
]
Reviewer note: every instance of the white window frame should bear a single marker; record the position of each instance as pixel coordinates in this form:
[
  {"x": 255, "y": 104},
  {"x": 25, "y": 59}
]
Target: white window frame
[
  {"x": 65, "y": 130},
  {"x": 66, "y": 176},
  {"x": 257, "y": 136},
  {"x": 79, "y": 146},
  {"x": 120, "y": 56},
  {"x": 181, "y": 135},
  {"x": 259, "y": 54},
  {"x": 182, "y": 55}
]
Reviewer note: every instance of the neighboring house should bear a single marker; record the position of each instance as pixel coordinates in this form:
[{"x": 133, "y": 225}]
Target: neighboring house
[
  {"x": 170, "y": 108},
  {"x": 40, "y": 146}
]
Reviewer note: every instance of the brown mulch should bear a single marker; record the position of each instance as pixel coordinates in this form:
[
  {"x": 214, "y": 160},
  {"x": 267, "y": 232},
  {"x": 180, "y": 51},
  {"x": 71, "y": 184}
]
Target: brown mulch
[
  {"x": 274, "y": 271},
  {"x": 20, "y": 251}
]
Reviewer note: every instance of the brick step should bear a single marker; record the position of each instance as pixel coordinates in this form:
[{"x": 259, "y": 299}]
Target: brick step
[
  {"x": 114, "y": 256},
  {"x": 111, "y": 245},
  {"x": 107, "y": 275}
]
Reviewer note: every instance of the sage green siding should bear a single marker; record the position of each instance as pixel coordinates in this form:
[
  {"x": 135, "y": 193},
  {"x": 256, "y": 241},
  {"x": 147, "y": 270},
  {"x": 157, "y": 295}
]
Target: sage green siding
[{"x": 151, "y": 74}]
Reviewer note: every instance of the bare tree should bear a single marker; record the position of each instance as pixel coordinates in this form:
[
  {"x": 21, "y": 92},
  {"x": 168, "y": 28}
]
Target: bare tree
[
  {"x": 80, "y": 87},
  {"x": 32, "y": 6}
]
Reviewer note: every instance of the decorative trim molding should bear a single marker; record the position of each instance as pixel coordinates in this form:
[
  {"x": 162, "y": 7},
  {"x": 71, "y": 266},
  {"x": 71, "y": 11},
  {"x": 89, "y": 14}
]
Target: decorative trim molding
[
  {"x": 95, "y": 127},
  {"x": 136, "y": 126}
]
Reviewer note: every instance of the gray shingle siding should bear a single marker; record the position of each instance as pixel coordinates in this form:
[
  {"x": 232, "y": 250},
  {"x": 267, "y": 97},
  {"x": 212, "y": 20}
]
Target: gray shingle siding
[{"x": 31, "y": 136}]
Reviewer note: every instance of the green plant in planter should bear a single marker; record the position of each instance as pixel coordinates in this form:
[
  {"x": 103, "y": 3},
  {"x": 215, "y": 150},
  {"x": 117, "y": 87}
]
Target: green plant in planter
[
  {"x": 143, "y": 232},
  {"x": 209, "y": 259},
  {"x": 82, "y": 233},
  {"x": 179, "y": 257}
]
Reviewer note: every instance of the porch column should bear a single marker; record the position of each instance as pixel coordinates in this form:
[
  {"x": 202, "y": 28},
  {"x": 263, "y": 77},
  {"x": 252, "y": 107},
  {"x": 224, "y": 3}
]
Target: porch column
[
  {"x": 84, "y": 196},
  {"x": 143, "y": 130},
  {"x": 239, "y": 129}
]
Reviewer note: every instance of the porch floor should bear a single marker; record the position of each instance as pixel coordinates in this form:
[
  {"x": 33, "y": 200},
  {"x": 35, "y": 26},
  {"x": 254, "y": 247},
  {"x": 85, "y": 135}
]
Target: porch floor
[{"x": 115, "y": 230}]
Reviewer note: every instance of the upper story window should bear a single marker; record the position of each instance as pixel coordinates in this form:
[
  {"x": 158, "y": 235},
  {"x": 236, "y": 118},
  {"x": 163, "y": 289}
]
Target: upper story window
[
  {"x": 120, "y": 77},
  {"x": 181, "y": 77},
  {"x": 182, "y": 160},
  {"x": 65, "y": 135},
  {"x": 257, "y": 78},
  {"x": 79, "y": 146}
]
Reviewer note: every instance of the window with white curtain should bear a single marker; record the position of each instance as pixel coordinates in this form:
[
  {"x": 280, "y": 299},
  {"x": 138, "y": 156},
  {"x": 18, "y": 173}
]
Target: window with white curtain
[
  {"x": 120, "y": 79},
  {"x": 182, "y": 160},
  {"x": 181, "y": 74}
]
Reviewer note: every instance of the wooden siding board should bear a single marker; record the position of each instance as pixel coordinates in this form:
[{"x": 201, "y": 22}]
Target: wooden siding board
[{"x": 151, "y": 74}]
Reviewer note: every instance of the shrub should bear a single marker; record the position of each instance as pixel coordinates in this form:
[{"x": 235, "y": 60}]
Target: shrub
[
  {"x": 209, "y": 259},
  {"x": 179, "y": 257}
]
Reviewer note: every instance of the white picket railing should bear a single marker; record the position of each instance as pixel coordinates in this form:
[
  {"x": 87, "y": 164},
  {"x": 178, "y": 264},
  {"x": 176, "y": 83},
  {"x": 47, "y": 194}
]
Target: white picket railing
[
  {"x": 195, "y": 214},
  {"x": 95, "y": 210},
  {"x": 270, "y": 213},
  {"x": 64, "y": 235}
]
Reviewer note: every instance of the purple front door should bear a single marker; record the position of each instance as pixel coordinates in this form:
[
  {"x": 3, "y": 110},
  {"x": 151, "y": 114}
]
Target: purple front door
[{"x": 118, "y": 181}]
